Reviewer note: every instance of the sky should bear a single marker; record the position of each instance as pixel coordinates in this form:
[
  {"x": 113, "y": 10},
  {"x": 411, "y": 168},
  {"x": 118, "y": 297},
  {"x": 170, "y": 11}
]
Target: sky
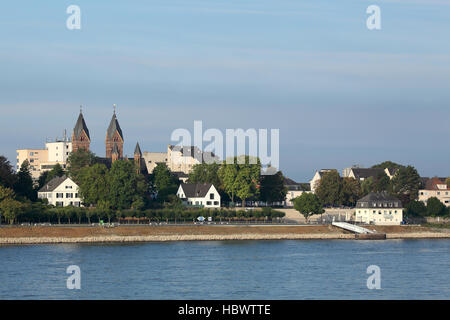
[{"x": 340, "y": 94}]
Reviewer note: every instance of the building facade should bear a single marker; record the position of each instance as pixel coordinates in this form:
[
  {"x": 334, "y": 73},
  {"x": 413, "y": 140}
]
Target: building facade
[
  {"x": 199, "y": 194},
  {"x": 435, "y": 187},
  {"x": 380, "y": 209},
  {"x": 61, "y": 192},
  {"x": 42, "y": 160}
]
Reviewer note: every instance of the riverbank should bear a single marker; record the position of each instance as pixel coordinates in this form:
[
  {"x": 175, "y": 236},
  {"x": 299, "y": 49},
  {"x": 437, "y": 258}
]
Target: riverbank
[{"x": 85, "y": 234}]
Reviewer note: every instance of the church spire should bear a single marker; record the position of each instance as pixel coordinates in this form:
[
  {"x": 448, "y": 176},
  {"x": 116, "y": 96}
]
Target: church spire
[
  {"x": 80, "y": 135},
  {"x": 114, "y": 137}
]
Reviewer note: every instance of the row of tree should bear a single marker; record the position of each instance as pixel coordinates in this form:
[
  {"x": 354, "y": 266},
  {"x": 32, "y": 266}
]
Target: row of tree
[{"x": 40, "y": 213}]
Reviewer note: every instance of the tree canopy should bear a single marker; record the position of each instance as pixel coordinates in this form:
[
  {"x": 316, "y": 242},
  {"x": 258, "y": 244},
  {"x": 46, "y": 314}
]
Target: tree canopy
[
  {"x": 388, "y": 164},
  {"x": 308, "y": 204},
  {"x": 24, "y": 183},
  {"x": 164, "y": 183},
  {"x": 272, "y": 188},
  {"x": 406, "y": 184},
  {"x": 329, "y": 188},
  {"x": 7, "y": 176},
  {"x": 240, "y": 176},
  {"x": 78, "y": 160}
]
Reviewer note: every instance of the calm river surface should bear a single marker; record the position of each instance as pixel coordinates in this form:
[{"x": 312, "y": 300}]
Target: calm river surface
[{"x": 410, "y": 269}]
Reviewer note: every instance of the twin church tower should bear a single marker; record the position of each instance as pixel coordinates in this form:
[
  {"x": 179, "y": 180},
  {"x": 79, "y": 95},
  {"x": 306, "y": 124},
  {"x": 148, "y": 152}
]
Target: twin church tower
[{"x": 113, "y": 141}]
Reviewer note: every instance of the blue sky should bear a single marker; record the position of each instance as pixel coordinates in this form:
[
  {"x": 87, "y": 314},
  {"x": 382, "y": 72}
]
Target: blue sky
[{"x": 339, "y": 93}]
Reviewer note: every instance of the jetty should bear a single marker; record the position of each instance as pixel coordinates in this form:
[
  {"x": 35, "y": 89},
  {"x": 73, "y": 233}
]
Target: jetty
[{"x": 360, "y": 232}]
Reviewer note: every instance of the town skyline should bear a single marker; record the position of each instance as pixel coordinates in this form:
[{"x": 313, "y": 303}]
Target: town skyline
[{"x": 97, "y": 146}]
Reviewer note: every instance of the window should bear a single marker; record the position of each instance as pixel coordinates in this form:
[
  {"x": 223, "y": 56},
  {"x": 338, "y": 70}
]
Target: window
[
  {"x": 208, "y": 203},
  {"x": 69, "y": 195},
  {"x": 76, "y": 195},
  {"x": 60, "y": 195},
  {"x": 211, "y": 196},
  {"x": 68, "y": 187},
  {"x": 59, "y": 204},
  {"x": 216, "y": 203}
]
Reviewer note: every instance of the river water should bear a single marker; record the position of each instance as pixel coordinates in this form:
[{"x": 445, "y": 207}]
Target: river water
[{"x": 337, "y": 269}]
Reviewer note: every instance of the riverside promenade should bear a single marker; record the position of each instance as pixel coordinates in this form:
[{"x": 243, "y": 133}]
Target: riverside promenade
[{"x": 89, "y": 234}]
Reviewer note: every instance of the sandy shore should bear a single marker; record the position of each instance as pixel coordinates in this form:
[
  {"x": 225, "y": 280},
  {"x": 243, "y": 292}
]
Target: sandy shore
[{"x": 69, "y": 234}]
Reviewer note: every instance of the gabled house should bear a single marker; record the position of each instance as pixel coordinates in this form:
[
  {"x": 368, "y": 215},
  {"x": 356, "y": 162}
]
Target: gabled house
[
  {"x": 60, "y": 192},
  {"x": 199, "y": 194}
]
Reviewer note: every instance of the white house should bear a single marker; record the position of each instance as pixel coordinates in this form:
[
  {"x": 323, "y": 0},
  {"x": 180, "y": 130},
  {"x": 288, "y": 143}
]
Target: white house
[
  {"x": 60, "y": 192},
  {"x": 199, "y": 194},
  {"x": 294, "y": 190},
  {"x": 379, "y": 209}
]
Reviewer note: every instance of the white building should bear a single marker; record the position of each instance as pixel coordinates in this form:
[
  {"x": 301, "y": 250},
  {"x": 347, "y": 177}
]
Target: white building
[
  {"x": 379, "y": 209},
  {"x": 294, "y": 190},
  {"x": 199, "y": 194},
  {"x": 435, "y": 187},
  {"x": 42, "y": 160},
  {"x": 60, "y": 192}
]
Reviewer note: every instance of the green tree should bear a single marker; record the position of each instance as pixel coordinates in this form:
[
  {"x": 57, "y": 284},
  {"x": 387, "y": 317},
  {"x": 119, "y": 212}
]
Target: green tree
[
  {"x": 435, "y": 208},
  {"x": 164, "y": 182},
  {"x": 77, "y": 160},
  {"x": 6, "y": 193},
  {"x": 69, "y": 212},
  {"x": 273, "y": 188},
  {"x": 7, "y": 176},
  {"x": 11, "y": 209},
  {"x": 205, "y": 173},
  {"x": 329, "y": 188},
  {"x": 367, "y": 186},
  {"x": 350, "y": 191},
  {"x": 416, "y": 208},
  {"x": 406, "y": 184},
  {"x": 247, "y": 177},
  {"x": 93, "y": 183},
  {"x": 381, "y": 183},
  {"x": 388, "y": 164},
  {"x": 308, "y": 204},
  {"x": 228, "y": 174},
  {"x": 24, "y": 183},
  {"x": 125, "y": 184},
  {"x": 57, "y": 171},
  {"x": 448, "y": 182}
]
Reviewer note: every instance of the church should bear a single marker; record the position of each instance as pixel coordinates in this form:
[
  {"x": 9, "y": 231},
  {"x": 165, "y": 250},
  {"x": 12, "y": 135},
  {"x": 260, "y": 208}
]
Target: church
[{"x": 113, "y": 143}]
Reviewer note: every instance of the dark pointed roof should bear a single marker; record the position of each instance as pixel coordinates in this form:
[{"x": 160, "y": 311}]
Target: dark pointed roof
[
  {"x": 80, "y": 126},
  {"x": 195, "y": 190},
  {"x": 113, "y": 127},
  {"x": 137, "y": 150}
]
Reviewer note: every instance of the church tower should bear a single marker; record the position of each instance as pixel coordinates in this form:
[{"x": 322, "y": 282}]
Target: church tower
[
  {"x": 80, "y": 135},
  {"x": 114, "y": 138},
  {"x": 138, "y": 157}
]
